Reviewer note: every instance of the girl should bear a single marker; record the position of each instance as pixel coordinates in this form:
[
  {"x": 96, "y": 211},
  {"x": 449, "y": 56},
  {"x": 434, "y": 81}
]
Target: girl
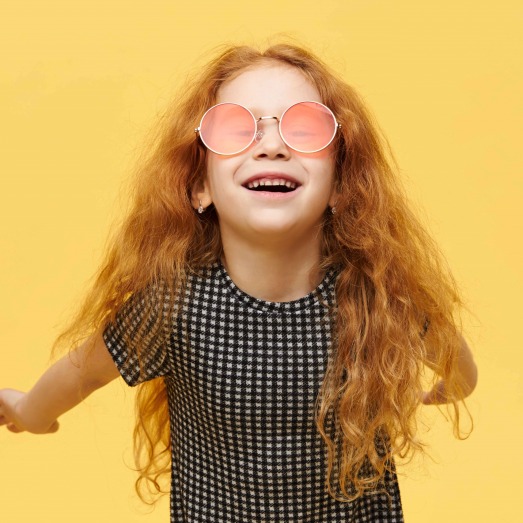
[{"x": 275, "y": 300}]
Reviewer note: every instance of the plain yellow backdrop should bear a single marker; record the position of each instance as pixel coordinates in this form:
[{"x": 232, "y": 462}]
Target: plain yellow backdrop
[{"x": 81, "y": 83}]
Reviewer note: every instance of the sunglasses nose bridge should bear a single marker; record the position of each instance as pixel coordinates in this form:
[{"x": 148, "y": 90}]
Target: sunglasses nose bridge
[{"x": 259, "y": 133}]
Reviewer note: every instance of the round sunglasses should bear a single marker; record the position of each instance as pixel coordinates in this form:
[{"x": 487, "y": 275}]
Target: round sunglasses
[{"x": 229, "y": 128}]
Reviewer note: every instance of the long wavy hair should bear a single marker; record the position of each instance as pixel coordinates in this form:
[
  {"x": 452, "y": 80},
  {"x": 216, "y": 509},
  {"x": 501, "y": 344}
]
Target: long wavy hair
[{"x": 392, "y": 280}]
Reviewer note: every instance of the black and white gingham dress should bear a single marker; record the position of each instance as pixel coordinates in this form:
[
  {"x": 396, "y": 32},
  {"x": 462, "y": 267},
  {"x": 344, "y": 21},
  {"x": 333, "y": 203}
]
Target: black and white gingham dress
[{"x": 242, "y": 377}]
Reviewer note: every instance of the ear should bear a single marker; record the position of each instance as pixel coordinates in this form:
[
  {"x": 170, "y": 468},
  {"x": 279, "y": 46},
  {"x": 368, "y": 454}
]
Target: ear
[
  {"x": 334, "y": 197},
  {"x": 200, "y": 194}
]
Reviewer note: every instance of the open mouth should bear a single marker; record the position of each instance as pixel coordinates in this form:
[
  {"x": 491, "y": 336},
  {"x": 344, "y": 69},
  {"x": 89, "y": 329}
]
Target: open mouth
[{"x": 271, "y": 185}]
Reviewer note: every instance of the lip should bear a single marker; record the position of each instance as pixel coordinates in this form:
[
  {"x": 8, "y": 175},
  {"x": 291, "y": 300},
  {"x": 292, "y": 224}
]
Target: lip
[{"x": 269, "y": 195}]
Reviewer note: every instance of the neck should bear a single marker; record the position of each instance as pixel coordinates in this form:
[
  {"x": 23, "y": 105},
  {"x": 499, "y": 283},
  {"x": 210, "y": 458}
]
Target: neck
[{"x": 273, "y": 271}]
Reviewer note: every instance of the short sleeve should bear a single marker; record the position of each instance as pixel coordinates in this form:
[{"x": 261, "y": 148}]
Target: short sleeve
[{"x": 136, "y": 341}]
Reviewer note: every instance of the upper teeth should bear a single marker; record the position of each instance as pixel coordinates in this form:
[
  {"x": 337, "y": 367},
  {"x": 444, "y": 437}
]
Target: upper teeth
[{"x": 281, "y": 181}]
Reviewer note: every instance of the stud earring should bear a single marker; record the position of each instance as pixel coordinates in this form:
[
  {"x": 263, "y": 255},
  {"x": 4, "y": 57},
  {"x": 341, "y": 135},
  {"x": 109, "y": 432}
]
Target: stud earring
[
  {"x": 333, "y": 210},
  {"x": 201, "y": 208}
]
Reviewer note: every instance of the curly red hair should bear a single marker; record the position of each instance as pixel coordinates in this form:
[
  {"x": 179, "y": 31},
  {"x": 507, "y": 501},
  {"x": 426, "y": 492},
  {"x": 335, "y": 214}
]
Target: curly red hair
[{"x": 392, "y": 278}]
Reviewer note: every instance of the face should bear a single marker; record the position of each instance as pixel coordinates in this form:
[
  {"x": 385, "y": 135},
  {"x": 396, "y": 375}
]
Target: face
[{"x": 233, "y": 183}]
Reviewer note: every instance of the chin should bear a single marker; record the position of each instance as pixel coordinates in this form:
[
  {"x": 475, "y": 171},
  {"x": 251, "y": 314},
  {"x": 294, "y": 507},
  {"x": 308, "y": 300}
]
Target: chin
[{"x": 278, "y": 230}]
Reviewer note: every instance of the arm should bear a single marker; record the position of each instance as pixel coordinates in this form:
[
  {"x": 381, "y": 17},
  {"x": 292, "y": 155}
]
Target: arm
[
  {"x": 64, "y": 385},
  {"x": 467, "y": 375}
]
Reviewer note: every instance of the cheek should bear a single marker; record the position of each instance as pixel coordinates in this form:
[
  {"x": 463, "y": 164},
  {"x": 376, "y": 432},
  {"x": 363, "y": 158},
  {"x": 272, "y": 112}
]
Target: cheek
[
  {"x": 330, "y": 183},
  {"x": 219, "y": 177},
  {"x": 223, "y": 167},
  {"x": 325, "y": 172},
  {"x": 323, "y": 161},
  {"x": 219, "y": 166}
]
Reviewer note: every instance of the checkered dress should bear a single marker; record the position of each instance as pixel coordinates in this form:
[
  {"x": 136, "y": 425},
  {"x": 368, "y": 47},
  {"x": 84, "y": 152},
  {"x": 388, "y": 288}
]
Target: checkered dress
[{"x": 242, "y": 376}]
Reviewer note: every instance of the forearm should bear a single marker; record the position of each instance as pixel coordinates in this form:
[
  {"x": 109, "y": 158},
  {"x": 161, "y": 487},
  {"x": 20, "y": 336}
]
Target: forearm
[
  {"x": 59, "y": 389},
  {"x": 64, "y": 385}
]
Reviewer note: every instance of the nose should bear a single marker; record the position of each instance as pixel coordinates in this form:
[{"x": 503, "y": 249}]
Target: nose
[{"x": 268, "y": 141}]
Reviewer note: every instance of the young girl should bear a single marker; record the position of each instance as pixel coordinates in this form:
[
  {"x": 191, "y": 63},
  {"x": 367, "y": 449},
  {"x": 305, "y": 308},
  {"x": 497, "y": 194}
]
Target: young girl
[{"x": 274, "y": 299}]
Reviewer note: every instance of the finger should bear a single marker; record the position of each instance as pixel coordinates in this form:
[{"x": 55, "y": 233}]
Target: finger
[
  {"x": 4, "y": 417},
  {"x": 13, "y": 428},
  {"x": 54, "y": 427}
]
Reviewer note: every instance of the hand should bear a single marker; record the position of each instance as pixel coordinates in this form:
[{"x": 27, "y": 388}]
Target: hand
[
  {"x": 466, "y": 379},
  {"x": 13, "y": 416},
  {"x": 435, "y": 396}
]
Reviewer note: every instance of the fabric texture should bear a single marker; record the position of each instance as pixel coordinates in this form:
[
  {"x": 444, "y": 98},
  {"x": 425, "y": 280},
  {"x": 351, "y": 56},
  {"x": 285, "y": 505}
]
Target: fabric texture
[{"x": 242, "y": 377}]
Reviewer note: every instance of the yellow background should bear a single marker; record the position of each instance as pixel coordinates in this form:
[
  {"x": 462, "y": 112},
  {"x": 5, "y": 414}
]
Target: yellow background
[{"x": 80, "y": 84}]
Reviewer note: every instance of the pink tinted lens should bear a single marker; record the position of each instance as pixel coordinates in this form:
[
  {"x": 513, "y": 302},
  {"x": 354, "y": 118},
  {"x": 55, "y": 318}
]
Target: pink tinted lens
[
  {"x": 227, "y": 128},
  {"x": 308, "y": 127}
]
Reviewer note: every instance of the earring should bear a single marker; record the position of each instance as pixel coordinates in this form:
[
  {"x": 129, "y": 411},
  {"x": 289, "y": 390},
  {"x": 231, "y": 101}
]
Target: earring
[
  {"x": 200, "y": 207},
  {"x": 333, "y": 210}
]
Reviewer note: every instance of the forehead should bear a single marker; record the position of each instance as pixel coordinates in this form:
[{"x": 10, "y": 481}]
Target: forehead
[{"x": 268, "y": 88}]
